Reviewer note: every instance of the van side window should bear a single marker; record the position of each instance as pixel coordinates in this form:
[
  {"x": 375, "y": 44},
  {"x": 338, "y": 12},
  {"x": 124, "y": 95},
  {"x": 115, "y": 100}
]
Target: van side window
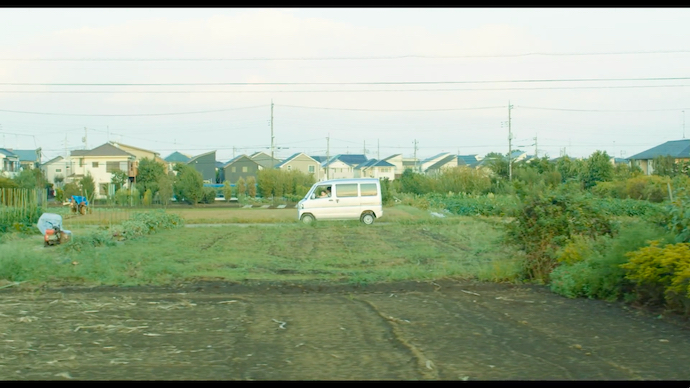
[
  {"x": 346, "y": 190},
  {"x": 368, "y": 189}
]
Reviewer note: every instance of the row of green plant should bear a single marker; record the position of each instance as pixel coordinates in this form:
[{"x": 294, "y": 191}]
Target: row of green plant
[
  {"x": 20, "y": 208},
  {"x": 139, "y": 225}
]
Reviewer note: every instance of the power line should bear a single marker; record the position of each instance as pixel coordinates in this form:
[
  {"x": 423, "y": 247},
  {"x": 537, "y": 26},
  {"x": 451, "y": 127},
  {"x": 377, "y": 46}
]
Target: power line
[
  {"x": 349, "y": 83},
  {"x": 130, "y": 115},
  {"x": 393, "y": 110},
  {"x": 601, "y": 110},
  {"x": 409, "y": 56},
  {"x": 335, "y": 91}
]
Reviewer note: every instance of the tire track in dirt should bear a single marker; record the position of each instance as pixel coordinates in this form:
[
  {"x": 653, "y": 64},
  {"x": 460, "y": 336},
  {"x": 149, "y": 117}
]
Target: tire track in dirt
[
  {"x": 548, "y": 316},
  {"x": 327, "y": 338},
  {"x": 426, "y": 367},
  {"x": 483, "y": 347}
]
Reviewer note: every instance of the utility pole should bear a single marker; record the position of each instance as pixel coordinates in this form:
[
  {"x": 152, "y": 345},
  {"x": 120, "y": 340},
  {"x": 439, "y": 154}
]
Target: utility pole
[
  {"x": 272, "y": 159},
  {"x": 86, "y": 146},
  {"x": 233, "y": 152},
  {"x": 510, "y": 146},
  {"x": 536, "y": 150},
  {"x": 328, "y": 156},
  {"x": 364, "y": 150},
  {"x": 415, "y": 155}
]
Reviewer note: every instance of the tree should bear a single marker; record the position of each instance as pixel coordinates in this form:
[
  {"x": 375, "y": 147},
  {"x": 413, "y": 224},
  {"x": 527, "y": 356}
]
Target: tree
[
  {"x": 570, "y": 169},
  {"x": 227, "y": 191},
  {"x": 26, "y": 179},
  {"x": 149, "y": 172},
  {"x": 88, "y": 186},
  {"x": 59, "y": 180},
  {"x": 267, "y": 180},
  {"x": 71, "y": 189},
  {"x": 241, "y": 187},
  {"x": 597, "y": 168},
  {"x": 118, "y": 179},
  {"x": 165, "y": 189},
  {"x": 189, "y": 184},
  {"x": 498, "y": 163},
  {"x": 251, "y": 186},
  {"x": 410, "y": 182}
]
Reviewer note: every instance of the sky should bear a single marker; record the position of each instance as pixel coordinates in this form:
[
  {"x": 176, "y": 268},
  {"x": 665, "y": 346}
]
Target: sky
[{"x": 386, "y": 81}]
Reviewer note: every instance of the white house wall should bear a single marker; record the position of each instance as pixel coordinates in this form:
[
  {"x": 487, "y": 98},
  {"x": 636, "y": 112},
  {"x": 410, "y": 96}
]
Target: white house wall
[
  {"x": 99, "y": 174},
  {"x": 339, "y": 170}
]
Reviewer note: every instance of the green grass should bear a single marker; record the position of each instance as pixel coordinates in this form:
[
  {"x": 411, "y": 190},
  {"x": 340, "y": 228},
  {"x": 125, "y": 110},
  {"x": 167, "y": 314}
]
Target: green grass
[{"x": 416, "y": 249}]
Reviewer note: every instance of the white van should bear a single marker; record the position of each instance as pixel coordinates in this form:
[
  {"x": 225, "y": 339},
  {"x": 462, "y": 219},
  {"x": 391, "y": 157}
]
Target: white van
[{"x": 342, "y": 199}]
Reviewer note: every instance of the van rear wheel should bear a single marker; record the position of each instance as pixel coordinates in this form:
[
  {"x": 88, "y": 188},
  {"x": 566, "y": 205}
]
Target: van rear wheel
[
  {"x": 307, "y": 218},
  {"x": 368, "y": 218}
]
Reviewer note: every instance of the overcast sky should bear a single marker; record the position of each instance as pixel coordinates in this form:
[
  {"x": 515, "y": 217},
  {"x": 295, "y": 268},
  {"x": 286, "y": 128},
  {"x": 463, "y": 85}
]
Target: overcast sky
[{"x": 459, "y": 53}]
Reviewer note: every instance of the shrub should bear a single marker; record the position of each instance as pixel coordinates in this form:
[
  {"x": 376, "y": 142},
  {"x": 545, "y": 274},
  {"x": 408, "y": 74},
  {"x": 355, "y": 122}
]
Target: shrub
[
  {"x": 127, "y": 197},
  {"x": 209, "y": 195},
  {"x": 591, "y": 267},
  {"x": 662, "y": 274},
  {"x": 547, "y": 222}
]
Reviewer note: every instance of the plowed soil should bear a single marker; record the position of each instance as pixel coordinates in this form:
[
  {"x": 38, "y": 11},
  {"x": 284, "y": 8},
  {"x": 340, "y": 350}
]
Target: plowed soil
[{"x": 411, "y": 331}]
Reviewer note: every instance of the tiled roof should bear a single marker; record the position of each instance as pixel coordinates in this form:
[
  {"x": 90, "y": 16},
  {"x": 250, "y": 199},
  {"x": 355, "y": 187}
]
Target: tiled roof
[{"x": 675, "y": 148}]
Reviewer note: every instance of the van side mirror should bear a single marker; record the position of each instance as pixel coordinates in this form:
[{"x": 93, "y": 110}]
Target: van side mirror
[{"x": 313, "y": 196}]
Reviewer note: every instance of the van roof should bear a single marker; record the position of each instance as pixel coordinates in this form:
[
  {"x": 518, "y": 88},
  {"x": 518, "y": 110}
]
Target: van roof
[{"x": 349, "y": 180}]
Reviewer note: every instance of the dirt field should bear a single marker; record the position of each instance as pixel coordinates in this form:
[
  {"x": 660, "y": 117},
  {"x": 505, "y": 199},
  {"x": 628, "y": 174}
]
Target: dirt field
[{"x": 222, "y": 331}]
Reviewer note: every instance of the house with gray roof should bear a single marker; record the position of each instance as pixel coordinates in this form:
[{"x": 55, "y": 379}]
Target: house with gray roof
[
  {"x": 438, "y": 162},
  {"x": 302, "y": 162},
  {"x": 264, "y": 159},
  {"x": 241, "y": 166},
  {"x": 677, "y": 149},
  {"x": 206, "y": 165},
  {"x": 100, "y": 162}
]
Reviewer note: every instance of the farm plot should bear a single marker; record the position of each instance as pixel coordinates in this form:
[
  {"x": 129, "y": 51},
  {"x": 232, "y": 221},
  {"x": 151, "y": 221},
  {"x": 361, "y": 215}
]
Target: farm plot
[{"x": 261, "y": 331}]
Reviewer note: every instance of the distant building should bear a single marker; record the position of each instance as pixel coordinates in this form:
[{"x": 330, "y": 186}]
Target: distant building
[{"x": 677, "y": 149}]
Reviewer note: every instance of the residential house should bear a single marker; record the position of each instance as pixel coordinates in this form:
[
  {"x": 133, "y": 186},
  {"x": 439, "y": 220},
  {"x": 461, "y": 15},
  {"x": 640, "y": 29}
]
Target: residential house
[
  {"x": 241, "y": 166},
  {"x": 264, "y": 159},
  {"x": 468, "y": 160},
  {"x": 206, "y": 165},
  {"x": 9, "y": 163},
  {"x": 375, "y": 169},
  {"x": 411, "y": 164},
  {"x": 342, "y": 166},
  {"x": 397, "y": 162},
  {"x": 28, "y": 159},
  {"x": 176, "y": 157},
  {"x": 437, "y": 163},
  {"x": 55, "y": 168},
  {"x": 140, "y": 153},
  {"x": 101, "y": 162},
  {"x": 678, "y": 149},
  {"x": 302, "y": 162}
]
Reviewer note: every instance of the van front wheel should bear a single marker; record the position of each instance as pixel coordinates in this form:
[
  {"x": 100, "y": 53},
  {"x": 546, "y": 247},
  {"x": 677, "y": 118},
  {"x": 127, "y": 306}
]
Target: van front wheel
[
  {"x": 307, "y": 218},
  {"x": 368, "y": 218}
]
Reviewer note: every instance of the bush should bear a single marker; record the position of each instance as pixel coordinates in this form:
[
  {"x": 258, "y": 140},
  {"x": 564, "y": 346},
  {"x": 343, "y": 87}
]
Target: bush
[
  {"x": 209, "y": 195},
  {"x": 591, "y": 267},
  {"x": 127, "y": 197},
  {"x": 547, "y": 222},
  {"x": 662, "y": 275}
]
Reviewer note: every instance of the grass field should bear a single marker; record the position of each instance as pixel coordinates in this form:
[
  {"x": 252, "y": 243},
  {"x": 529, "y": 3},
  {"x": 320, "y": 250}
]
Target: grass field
[
  {"x": 407, "y": 244},
  {"x": 222, "y": 215}
]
